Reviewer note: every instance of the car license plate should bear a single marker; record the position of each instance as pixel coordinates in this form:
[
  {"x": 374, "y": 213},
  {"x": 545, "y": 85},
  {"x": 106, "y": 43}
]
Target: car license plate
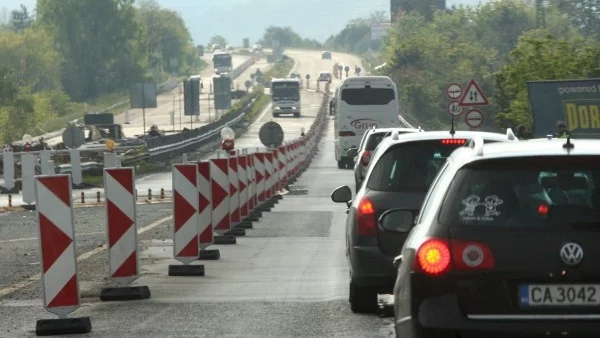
[{"x": 559, "y": 294}]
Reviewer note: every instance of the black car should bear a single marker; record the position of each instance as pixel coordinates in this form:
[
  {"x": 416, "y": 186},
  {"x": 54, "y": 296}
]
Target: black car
[
  {"x": 403, "y": 168},
  {"x": 369, "y": 142},
  {"x": 506, "y": 244}
]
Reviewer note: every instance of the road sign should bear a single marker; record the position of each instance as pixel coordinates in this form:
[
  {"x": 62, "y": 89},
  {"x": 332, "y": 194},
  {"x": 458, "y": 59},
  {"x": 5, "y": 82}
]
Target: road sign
[
  {"x": 454, "y": 109},
  {"x": 473, "y": 96},
  {"x": 271, "y": 134},
  {"x": 73, "y": 137},
  {"x": 474, "y": 118},
  {"x": 454, "y": 91}
]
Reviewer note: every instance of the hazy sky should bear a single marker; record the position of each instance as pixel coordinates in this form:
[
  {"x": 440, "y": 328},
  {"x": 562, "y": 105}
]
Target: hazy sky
[{"x": 237, "y": 19}]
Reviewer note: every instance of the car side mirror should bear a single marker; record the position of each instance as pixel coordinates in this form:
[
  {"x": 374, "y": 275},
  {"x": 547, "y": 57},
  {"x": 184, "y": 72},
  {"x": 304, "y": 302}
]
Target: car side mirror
[
  {"x": 342, "y": 194},
  {"x": 398, "y": 220}
]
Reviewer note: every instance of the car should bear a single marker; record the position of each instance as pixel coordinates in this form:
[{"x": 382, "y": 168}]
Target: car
[
  {"x": 229, "y": 47},
  {"x": 324, "y": 77},
  {"x": 370, "y": 141},
  {"x": 403, "y": 168},
  {"x": 295, "y": 76},
  {"x": 325, "y": 55},
  {"x": 493, "y": 252}
]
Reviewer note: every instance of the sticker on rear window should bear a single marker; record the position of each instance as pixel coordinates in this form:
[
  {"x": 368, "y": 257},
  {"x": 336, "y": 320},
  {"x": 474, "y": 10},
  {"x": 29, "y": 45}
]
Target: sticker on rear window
[{"x": 471, "y": 203}]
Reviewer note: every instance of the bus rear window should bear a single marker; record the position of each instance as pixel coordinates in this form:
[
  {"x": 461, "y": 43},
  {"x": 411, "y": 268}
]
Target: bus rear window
[
  {"x": 532, "y": 192},
  {"x": 367, "y": 96}
]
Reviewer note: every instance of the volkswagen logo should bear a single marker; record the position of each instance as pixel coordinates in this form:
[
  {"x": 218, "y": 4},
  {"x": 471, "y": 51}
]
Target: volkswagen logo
[{"x": 571, "y": 254}]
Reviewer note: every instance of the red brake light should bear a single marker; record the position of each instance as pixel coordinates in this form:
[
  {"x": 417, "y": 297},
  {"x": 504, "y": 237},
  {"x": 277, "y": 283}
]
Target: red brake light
[
  {"x": 347, "y": 133},
  {"x": 433, "y": 257},
  {"x": 457, "y": 141},
  {"x": 543, "y": 209},
  {"x": 437, "y": 256},
  {"x": 365, "y": 218},
  {"x": 365, "y": 158}
]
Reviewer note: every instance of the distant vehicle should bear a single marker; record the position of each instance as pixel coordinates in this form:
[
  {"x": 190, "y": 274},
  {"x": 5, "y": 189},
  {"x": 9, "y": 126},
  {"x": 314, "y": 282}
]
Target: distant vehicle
[
  {"x": 326, "y": 55},
  {"x": 229, "y": 47},
  {"x": 362, "y": 103},
  {"x": 285, "y": 94},
  {"x": 215, "y": 47},
  {"x": 257, "y": 48},
  {"x": 324, "y": 77},
  {"x": 295, "y": 76},
  {"x": 403, "y": 168},
  {"x": 222, "y": 62}
]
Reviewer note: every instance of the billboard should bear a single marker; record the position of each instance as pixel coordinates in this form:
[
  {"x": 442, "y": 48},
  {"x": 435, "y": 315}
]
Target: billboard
[
  {"x": 379, "y": 30},
  {"x": 576, "y": 102}
]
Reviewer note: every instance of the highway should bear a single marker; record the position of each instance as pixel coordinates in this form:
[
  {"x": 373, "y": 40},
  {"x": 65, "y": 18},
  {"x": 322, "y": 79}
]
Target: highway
[{"x": 287, "y": 278}]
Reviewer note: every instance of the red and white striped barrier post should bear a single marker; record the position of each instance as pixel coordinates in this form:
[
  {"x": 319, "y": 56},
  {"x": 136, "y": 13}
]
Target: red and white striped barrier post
[
  {"x": 259, "y": 168},
  {"x": 219, "y": 189},
  {"x": 60, "y": 283},
  {"x": 252, "y": 195},
  {"x": 283, "y": 167},
  {"x": 234, "y": 197},
  {"x": 269, "y": 182},
  {"x": 123, "y": 258},
  {"x": 205, "y": 213},
  {"x": 186, "y": 228},
  {"x": 277, "y": 172},
  {"x": 242, "y": 172}
]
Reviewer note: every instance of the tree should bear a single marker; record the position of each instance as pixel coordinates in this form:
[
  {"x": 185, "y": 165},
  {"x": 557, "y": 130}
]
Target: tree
[
  {"x": 540, "y": 55},
  {"x": 285, "y": 36},
  {"x": 97, "y": 40},
  {"x": 217, "y": 40},
  {"x": 20, "y": 19},
  {"x": 583, "y": 14}
]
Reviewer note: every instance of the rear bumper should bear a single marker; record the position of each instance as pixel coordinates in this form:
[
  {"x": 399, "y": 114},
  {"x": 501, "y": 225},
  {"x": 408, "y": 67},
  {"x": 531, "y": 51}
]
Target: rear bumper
[
  {"x": 442, "y": 312},
  {"x": 370, "y": 268}
]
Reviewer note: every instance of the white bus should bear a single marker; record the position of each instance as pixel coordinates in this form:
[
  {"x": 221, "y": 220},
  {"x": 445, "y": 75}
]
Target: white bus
[
  {"x": 361, "y": 103},
  {"x": 285, "y": 94},
  {"x": 222, "y": 61}
]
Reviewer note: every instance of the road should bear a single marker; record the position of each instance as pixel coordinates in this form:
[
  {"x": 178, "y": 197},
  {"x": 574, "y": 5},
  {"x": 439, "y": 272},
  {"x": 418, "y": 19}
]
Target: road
[{"x": 287, "y": 278}]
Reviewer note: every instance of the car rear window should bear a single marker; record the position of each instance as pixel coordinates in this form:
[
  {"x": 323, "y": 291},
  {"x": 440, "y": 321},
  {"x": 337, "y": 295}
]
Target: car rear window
[
  {"x": 376, "y": 138},
  {"x": 368, "y": 96},
  {"x": 411, "y": 166},
  {"x": 531, "y": 192}
]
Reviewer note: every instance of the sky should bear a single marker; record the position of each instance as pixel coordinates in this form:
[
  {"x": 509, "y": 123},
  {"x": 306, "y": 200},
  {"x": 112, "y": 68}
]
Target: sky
[{"x": 239, "y": 19}]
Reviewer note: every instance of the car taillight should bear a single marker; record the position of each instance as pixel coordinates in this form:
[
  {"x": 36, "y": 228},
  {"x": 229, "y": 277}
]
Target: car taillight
[
  {"x": 437, "y": 256},
  {"x": 433, "y": 257},
  {"x": 365, "y": 218},
  {"x": 346, "y": 133},
  {"x": 457, "y": 141},
  {"x": 365, "y": 158},
  {"x": 472, "y": 256}
]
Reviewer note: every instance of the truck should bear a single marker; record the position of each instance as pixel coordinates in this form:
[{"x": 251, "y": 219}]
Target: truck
[
  {"x": 222, "y": 62},
  {"x": 285, "y": 95}
]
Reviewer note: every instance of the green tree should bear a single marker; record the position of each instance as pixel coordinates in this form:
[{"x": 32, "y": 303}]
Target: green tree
[
  {"x": 97, "y": 40},
  {"x": 540, "y": 55},
  {"x": 218, "y": 40},
  {"x": 584, "y": 14},
  {"x": 20, "y": 19}
]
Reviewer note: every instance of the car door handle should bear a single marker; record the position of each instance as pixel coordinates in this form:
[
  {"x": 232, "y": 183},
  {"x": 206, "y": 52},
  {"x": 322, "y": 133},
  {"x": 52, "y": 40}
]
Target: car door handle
[{"x": 398, "y": 261}]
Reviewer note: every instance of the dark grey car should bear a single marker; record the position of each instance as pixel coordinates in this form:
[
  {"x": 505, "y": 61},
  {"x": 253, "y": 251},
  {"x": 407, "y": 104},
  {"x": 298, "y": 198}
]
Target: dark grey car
[{"x": 403, "y": 168}]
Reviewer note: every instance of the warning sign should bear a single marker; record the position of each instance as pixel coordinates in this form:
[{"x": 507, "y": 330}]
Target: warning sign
[{"x": 473, "y": 96}]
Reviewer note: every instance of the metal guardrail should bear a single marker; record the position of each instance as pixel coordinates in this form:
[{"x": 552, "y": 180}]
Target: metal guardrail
[{"x": 162, "y": 147}]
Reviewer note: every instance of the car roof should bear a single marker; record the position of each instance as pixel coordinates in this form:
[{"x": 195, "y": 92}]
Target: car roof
[
  {"x": 391, "y": 129},
  {"x": 439, "y": 135},
  {"x": 529, "y": 148}
]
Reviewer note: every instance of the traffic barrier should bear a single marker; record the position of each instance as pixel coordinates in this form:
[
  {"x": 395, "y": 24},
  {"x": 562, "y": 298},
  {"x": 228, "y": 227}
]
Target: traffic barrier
[
  {"x": 269, "y": 176},
  {"x": 234, "y": 197},
  {"x": 186, "y": 229},
  {"x": 254, "y": 214},
  {"x": 277, "y": 169},
  {"x": 121, "y": 224},
  {"x": 261, "y": 178},
  {"x": 243, "y": 191},
  {"x": 60, "y": 282},
  {"x": 220, "y": 190},
  {"x": 206, "y": 238}
]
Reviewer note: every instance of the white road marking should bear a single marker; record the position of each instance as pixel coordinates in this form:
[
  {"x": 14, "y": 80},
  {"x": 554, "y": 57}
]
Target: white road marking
[{"x": 23, "y": 284}]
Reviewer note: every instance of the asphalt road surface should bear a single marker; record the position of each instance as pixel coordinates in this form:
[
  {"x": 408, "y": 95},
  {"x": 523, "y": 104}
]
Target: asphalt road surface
[{"x": 287, "y": 278}]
